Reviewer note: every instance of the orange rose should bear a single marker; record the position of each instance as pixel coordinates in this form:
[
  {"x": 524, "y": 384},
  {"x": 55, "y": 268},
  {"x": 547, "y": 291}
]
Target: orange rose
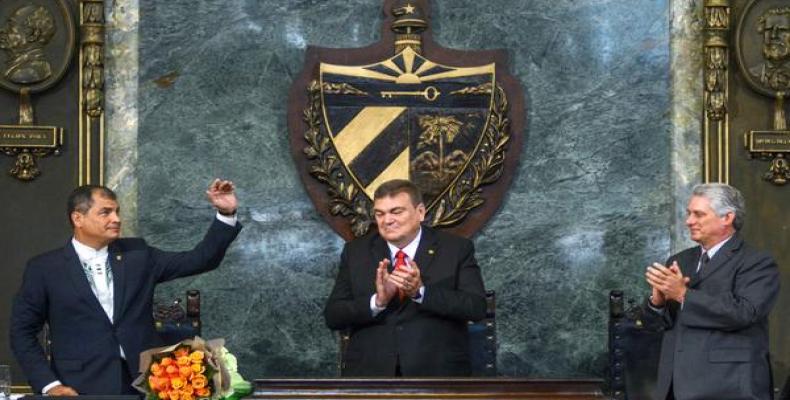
[
  {"x": 198, "y": 368},
  {"x": 166, "y": 361},
  {"x": 157, "y": 370},
  {"x": 181, "y": 352},
  {"x": 197, "y": 356},
  {"x": 162, "y": 395},
  {"x": 199, "y": 381},
  {"x": 188, "y": 389},
  {"x": 203, "y": 392},
  {"x": 185, "y": 371},
  {"x": 186, "y": 396},
  {"x": 171, "y": 370},
  {"x": 177, "y": 383},
  {"x": 158, "y": 383},
  {"x": 183, "y": 360},
  {"x": 174, "y": 395}
]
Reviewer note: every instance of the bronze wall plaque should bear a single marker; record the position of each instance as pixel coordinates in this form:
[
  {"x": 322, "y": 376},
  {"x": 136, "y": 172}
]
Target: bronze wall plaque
[
  {"x": 37, "y": 40},
  {"x": 407, "y": 108},
  {"x": 762, "y": 48}
]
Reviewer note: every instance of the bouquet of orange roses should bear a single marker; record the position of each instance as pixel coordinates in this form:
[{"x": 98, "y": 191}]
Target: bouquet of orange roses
[{"x": 190, "y": 370}]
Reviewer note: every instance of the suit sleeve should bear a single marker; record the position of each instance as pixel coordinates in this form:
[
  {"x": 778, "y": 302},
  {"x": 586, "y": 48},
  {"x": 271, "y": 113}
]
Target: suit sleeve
[
  {"x": 342, "y": 309},
  {"x": 29, "y": 311},
  {"x": 465, "y": 300},
  {"x": 206, "y": 256},
  {"x": 655, "y": 318},
  {"x": 753, "y": 295}
]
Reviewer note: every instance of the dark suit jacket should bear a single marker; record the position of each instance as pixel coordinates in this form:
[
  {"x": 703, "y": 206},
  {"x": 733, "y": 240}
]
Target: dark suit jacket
[
  {"x": 716, "y": 346},
  {"x": 85, "y": 343},
  {"x": 426, "y": 339}
]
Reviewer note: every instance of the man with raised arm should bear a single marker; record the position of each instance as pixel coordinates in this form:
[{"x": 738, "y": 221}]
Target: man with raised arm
[{"x": 96, "y": 295}]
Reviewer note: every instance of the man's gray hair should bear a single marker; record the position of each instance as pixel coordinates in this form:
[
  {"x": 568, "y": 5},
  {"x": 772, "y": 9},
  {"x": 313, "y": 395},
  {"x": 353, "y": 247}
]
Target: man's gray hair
[{"x": 724, "y": 199}]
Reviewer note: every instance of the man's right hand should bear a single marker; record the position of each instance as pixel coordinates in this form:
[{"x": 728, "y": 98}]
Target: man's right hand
[
  {"x": 657, "y": 298},
  {"x": 385, "y": 290},
  {"x": 62, "y": 390}
]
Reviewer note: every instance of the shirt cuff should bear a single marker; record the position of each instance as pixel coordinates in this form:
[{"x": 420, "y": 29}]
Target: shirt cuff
[
  {"x": 659, "y": 310},
  {"x": 50, "y": 386},
  {"x": 228, "y": 220},
  {"x": 374, "y": 309},
  {"x": 418, "y": 298}
]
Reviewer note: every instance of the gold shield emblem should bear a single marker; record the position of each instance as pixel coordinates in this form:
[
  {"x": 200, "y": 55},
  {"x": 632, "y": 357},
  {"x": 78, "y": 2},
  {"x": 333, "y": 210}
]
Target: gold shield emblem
[{"x": 443, "y": 126}]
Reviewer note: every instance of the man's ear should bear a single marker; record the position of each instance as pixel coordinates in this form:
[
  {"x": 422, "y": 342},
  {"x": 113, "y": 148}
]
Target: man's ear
[
  {"x": 76, "y": 218},
  {"x": 729, "y": 219},
  {"x": 421, "y": 210}
]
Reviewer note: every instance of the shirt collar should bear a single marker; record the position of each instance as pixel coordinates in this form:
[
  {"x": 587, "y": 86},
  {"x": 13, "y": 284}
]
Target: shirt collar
[
  {"x": 88, "y": 254},
  {"x": 712, "y": 251},
  {"x": 410, "y": 249}
]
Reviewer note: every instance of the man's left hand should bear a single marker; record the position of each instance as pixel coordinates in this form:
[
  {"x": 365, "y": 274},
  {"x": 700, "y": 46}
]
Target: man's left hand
[
  {"x": 670, "y": 281},
  {"x": 222, "y": 195},
  {"x": 408, "y": 280}
]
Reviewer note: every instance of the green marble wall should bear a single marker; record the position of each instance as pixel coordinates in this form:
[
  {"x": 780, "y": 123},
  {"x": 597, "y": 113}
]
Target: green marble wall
[{"x": 591, "y": 204}]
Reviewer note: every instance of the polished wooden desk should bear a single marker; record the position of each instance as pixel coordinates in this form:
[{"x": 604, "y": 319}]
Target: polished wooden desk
[{"x": 428, "y": 388}]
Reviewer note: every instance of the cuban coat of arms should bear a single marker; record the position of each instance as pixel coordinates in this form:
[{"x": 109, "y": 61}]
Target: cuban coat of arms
[{"x": 447, "y": 126}]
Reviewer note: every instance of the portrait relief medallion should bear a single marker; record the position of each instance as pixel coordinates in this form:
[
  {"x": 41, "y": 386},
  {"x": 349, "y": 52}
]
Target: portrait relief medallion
[
  {"x": 762, "y": 46},
  {"x": 37, "y": 42}
]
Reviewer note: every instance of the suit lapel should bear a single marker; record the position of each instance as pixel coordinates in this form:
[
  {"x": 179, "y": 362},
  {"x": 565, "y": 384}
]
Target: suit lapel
[
  {"x": 79, "y": 280},
  {"x": 379, "y": 251},
  {"x": 426, "y": 250},
  {"x": 118, "y": 280},
  {"x": 719, "y": 260},
  {"x": 689, "y": 265}
]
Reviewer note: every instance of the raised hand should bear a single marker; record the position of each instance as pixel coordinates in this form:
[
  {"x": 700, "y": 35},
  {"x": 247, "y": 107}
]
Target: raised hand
[{"x": 222, "y": 195}]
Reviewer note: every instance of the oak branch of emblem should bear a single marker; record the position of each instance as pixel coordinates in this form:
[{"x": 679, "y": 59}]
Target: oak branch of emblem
[
  {"x": 345, "y": 199},
  {"x": 485, "y": 168}
]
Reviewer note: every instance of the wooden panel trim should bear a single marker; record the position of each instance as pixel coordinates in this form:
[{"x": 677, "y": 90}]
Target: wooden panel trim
[{"x": 428, "y": 388}]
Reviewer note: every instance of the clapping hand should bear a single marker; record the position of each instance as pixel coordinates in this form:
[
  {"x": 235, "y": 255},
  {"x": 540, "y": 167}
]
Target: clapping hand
[
  {"x": 668, "y": 282},
  {"x": 385, "y": 290},
  {"x": 408, "y": 280}
]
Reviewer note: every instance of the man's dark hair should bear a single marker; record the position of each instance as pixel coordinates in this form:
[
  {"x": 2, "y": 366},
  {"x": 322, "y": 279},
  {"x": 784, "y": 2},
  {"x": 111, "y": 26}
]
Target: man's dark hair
[
  {"x": 396, "y": 186},
  {"x": 81, "y": 199}
]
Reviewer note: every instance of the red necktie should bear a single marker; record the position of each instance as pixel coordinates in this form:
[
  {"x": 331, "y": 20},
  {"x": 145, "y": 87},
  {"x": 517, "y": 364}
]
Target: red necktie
[{"x": 400, "y": 264}]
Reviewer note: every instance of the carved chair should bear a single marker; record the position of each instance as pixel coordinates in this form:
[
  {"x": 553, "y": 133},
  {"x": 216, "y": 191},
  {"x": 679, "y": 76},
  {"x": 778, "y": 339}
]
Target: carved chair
[
  {"x": 785, "y": 393},
  {"x": 634, "y": 350},
  {"x": 482, "y": 341},
  {"x": 174, "y": 323}
]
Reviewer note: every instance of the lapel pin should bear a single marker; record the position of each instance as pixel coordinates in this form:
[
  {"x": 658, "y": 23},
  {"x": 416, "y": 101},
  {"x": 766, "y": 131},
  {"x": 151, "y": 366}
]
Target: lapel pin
[
  {"x": 118, "y": 257},
  {"x": 430, "y": 251}
]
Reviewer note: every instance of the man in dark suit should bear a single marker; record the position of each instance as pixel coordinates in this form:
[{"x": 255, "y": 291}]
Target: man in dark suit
[
  {"x": 406, "y": 293},
  {"x": 96, "y": 295},
  {"x": 713, "y": 301}
]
